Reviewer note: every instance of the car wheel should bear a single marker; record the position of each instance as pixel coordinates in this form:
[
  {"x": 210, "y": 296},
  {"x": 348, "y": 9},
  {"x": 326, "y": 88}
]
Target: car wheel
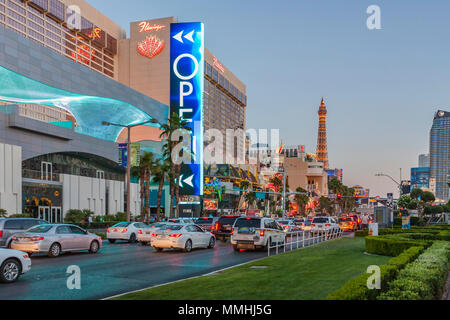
[
  {"x": 10, "y": 271},
  {"x": 212, "y": 243},
  {"x": 55, "y": 250},
  {"x": 188, "y": 246},
  {"x": 158, "y": 249},
  {"x": 132, "y": 238},
  {"x": 94, "y": 247},
  {"x": 112, "y": 240}
]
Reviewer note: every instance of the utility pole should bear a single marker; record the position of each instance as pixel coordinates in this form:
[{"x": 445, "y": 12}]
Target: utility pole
[{"x": 284, "y": 194}]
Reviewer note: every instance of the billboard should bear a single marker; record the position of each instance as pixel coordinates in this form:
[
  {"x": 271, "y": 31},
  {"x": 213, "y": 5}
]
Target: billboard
[
  {"x": 186, "y": 90},
  {"x": 420, "y": 178}
]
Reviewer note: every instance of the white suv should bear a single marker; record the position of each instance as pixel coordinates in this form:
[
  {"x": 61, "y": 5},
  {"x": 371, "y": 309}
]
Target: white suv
[
  {"x": 320, "y": 224},
  {"x": 253, "y": 233}
]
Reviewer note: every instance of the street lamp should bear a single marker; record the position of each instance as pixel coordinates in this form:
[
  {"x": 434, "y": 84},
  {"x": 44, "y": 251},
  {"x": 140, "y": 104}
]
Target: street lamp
[
  {"x": 106, "y": 123},
  {"x": 398, "y": 184}
]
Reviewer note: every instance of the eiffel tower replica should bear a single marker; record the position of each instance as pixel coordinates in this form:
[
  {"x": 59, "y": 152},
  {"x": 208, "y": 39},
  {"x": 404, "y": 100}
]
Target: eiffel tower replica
[{"x": 322, "y": 149}]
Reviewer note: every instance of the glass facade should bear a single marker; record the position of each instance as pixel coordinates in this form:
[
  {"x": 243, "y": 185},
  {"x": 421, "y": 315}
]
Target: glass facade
[
  {"x": 45, "y": 21},
  {"x": 440, "y": 154},
  {"x": 224, "y": 106}
]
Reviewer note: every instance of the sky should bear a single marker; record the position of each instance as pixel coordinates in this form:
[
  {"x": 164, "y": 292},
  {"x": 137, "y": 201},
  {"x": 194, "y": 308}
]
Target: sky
[{"x": 381, "y": 87}]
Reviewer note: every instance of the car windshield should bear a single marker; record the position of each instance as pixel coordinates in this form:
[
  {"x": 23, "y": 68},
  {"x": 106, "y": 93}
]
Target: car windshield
[
  {"x": 246, "y": 222},
  {"x": 320, "y": 220},
  {"x": 157, "y": 225},
  {"x": 173, "y": 227},
  {"x": 227, "y": 220},
  {"x": 122, "y": 224},
  {"x": 43, "y": 228},
  {"x": 283, "y": 221},
  {"x": 204, "y": 221}
]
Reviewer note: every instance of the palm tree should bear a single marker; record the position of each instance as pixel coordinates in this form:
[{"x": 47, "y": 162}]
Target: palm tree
[
  {"x": 160, "y": 174},
  {"x": 175, "y": 123},
  {"x": 244, "y": 185},
  {"x": 301, "y": 199},
  {"x": 144, "y": 172},
  {"x": 250, "y": 197}
]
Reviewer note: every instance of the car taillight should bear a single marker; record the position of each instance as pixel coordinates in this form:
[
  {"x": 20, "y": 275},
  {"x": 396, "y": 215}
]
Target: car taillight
[
  {"x": 124, "y": 230},
  {"x": 154, "y": 235},
  {"x": 217, "y": 226},
  {"x": 37, "y": 238},
  {"x": 107, "y": 230},
  {"x": 261, "y": 232},
  {"x": 328, "y": 225},
  {"x": 1, "y": 233},
  {"x": 313, "y": 225},
  {"x": 140, "y": 232},
  {"x": 286, "y": 227},
  {"x": 175, "y": 235}
]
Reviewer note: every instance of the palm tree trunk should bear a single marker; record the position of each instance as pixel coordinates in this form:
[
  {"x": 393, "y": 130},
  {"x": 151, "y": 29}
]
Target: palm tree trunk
[
  {"x": 147, "y": 194},
  {"x": 177, "y": 189},
  {"x": 158, "y": 200},
  {"x": 142, "y": 190}
]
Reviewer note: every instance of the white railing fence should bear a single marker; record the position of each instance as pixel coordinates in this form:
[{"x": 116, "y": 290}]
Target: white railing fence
[{"x": 303, "y": 239}]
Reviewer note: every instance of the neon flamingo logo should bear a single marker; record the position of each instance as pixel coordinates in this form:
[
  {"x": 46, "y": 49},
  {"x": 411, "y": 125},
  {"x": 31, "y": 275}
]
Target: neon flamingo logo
[{"x": 151, "y": 47}]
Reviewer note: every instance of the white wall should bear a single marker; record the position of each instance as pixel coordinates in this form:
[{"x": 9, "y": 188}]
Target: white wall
[
  {"x": 115, "y": 197},
  {"x": 11, "y": 178},
  {"x": 83, "y": 193},
  {"x": 135, "y": 207}
]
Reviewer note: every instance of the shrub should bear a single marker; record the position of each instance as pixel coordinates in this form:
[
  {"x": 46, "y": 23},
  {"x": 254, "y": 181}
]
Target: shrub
[
  {"x": 424, "y": 278},
  {"x": 356, "y": 289},
  {"x": 74, "y": 216},
  {"x": 102, "y": 235},
  {"x": 20, "y": 215},
  {"x": 121, "y": 216},
  {"x": 392, "y": 245},
  {"x": 3, "y": 213}
]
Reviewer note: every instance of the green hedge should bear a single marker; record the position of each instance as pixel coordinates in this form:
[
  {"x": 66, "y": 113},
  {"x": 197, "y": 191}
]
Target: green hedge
[
  {"x": 356, "y": 289},
  {"x": 382, "y": 232},
  {"x": 392, "y": 245},
  {"x": 442, "y": 236},
  {"x": 423, "y": 279},
  {"x": 415, "y": 221}
]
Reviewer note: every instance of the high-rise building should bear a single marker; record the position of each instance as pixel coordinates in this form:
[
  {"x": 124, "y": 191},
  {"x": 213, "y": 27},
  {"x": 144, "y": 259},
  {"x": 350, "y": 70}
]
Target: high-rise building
[
  {"x": 440, "y": 153},
  {"x": 322, "y": 149},
  {"x": 424, "y": 160}
]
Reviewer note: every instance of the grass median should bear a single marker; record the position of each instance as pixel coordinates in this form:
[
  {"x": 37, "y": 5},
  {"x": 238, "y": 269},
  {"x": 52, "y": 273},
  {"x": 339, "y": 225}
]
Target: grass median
[{"x": 307, "y": 274}]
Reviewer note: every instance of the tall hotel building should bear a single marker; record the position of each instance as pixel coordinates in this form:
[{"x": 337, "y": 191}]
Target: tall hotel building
[
  {"x": 65, "y": 68},
  {"x": 440, "y": 155}
]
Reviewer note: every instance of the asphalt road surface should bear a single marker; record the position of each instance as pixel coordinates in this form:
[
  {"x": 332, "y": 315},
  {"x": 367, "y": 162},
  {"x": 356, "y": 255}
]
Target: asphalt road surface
[{"x": 119, "y": 268}]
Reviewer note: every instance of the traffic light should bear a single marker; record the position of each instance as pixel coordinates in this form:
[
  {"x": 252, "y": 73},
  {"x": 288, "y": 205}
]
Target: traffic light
[{"x": 339, "y": 196}]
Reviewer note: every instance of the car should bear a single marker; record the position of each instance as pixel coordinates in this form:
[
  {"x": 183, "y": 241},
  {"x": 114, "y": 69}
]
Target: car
[
  {"x": 127, "y": 231},
  {"x": 181, "y": 220},
  {"x": 11, "y": 226},
  {"x": 144, "y": 236},
  {"x": 182, "y": 236},
  {"x": 347, "y": 224},
  {"x": 206, "y": 223},
  {"x": 321, "y": 224},
  {"x": 357, "y": 220},
  {"x": 256, "y": 233},
  {"x": 54, "y": 239},
  {"x": 13, "y": 264},
  {"x": 288, "y": 226},
  {"x": 224, "y": 226}
]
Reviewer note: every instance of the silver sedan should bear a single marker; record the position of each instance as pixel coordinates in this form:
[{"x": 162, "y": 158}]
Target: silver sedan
[{"x": 54, "y": 239}]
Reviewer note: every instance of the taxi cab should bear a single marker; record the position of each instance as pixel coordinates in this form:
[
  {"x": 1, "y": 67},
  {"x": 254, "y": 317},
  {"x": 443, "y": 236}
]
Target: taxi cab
[{"x": 256, "y": 233}]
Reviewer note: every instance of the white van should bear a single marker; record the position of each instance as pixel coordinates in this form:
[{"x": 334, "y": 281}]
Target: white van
[{"x": 253, "y": 233}]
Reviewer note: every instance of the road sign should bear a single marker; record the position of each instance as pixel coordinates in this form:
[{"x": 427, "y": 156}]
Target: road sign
[{"x": 186, "y": 90}]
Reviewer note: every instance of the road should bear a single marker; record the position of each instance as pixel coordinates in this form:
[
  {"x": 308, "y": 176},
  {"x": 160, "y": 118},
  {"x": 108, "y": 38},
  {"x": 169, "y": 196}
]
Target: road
[{"x": 119, "y": 268}]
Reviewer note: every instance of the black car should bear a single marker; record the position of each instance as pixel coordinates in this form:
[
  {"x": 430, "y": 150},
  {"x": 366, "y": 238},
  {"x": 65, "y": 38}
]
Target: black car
[
  {"x": 206, "y": 223},
  {"x": 224, "y": 226}
]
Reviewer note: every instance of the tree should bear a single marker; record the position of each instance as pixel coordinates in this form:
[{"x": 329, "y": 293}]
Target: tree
[
  {"x": 3, "y": 213},
  {"x": 301, "y": 199},
  {"x": 325, "y": 205},
  {"x": 175, "y": 125},
  {"x": 144, "y": 173},
  {"x": 244, "y": 186},
  {"x": 161, "y": 172},
  {"x": 416, "y": 194},
  {"x": 404, "y": 201},
  {"x": 250, "y": 197},
  {"x": 428, "y": 197}
]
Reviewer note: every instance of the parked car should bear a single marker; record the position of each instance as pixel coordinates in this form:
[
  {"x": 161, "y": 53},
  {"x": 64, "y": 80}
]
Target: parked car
[
  {"x": 320, "y": 224},
  {"x": 207, "y": 223},
  {"x": 347, "y": 224},
  {"x": 13, "y": 264},
  {"x": 288, "y": 226},
  {"x": 224, "y": 226},
  {"x": 254, "y": 233},
  {"x": 182, "y": 236},
  {"x": 145, "y": 234},
  {"x": 11, "y": 226},
  {"x": 127, "y": 231},
  {"x": 54, "y": 239}
]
